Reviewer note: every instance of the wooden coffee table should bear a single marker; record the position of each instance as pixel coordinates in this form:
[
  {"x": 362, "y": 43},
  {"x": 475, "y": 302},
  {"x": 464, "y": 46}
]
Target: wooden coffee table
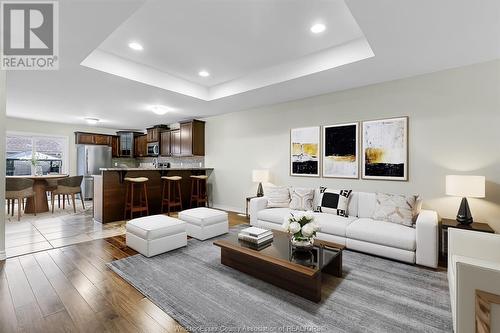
[{"x": 279, "y": 264}]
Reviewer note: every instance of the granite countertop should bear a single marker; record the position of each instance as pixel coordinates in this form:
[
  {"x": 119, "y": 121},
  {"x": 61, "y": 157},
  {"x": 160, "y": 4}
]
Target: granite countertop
[{"x": 157, "y": 169}]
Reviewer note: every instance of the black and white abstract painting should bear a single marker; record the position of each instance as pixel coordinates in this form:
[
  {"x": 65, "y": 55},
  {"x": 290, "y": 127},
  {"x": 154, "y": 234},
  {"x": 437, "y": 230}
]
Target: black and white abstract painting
[
  {"x": 304, "y": 151},
  {"x": 385, "y": 149},
  {"x": 340, "y": 151}
]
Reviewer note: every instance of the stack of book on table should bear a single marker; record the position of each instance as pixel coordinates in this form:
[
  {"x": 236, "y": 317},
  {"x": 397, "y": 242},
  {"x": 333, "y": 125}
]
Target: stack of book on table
[{"x": 256, "y": 238}]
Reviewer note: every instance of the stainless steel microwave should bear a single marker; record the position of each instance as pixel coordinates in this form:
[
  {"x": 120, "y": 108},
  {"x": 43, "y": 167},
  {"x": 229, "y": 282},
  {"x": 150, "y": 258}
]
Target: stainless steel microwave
[{"x": 153, "y": 149}]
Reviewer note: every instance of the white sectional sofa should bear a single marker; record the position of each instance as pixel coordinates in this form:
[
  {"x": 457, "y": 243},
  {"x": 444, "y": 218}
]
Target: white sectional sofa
[{"x": 360, "y": 232}]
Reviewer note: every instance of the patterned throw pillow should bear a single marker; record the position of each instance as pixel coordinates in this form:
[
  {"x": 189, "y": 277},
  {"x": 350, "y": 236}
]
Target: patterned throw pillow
[
  {"x": 278, "y": 197},
  {"x": 395, "y": 208},
  {"x": 333, "y": 201},
  {"x": 301, "y": 198}
]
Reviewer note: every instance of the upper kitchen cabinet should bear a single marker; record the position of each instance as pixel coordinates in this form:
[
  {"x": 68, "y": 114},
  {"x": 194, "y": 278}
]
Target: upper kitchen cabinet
[
  {"x": 140, "y": 146},
  {"x": 82, "y": 138},
  {"x": 165, "y": 149},
  {"x": 175, "y": 142},
  {"x": 154, "y": 133},
  {"x": 115, "y": 146},
  {"x": 192, "y": 138}
]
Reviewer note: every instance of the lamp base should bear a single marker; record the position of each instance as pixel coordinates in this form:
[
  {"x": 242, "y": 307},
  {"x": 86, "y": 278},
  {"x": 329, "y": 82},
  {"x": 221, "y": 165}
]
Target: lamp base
[
  {"x": 464, "y": 216},
  {"x": 260, "y": 190}
]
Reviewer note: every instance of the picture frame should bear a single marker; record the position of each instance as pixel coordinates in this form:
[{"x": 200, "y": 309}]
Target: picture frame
[
  {"x": 384, "y": 149},
  {"x": 305, "y": 150},
  {"x": 340, "y": 153}
]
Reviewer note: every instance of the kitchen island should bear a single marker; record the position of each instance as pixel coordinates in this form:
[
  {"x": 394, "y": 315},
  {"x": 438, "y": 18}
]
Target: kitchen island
[{"x": 110, "y": 189}]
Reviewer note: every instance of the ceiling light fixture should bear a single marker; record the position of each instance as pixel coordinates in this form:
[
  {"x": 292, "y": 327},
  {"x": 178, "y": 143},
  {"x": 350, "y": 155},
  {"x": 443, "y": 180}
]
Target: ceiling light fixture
[
  {"x": 160, "y": 109},
  {"x": 135, "y": 46},
  {"x": 203, "y": 73},
  {"x": 318, "y": 28},
  {"x": 91, "y": 121}
]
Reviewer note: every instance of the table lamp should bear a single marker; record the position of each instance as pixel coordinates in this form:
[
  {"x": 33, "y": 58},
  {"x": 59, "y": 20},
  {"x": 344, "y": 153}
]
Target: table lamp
[
  {"x": 465, "y": 187},
  {"x": 260, "y": 176}
]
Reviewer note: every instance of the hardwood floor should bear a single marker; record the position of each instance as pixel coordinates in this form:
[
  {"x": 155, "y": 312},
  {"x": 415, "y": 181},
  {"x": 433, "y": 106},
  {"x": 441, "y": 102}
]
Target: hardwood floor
[{"x": 70, "y": 289}]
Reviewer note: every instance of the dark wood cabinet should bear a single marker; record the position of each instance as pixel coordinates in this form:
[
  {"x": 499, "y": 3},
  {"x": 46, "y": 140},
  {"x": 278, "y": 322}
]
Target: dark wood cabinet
[
  {"x": 84, "y": 138},
  {"x": 192, "y": 138},
  {"x": 165, "y": 144},
  {"x": 104, "y": 140},
  {"x": 140, "y": 146},
  {"x": 92, "y": 139},
  {"x": 153, "y": 133},
  {"x": 175, "y": 142},
  {"x": 115, "y": 146}
]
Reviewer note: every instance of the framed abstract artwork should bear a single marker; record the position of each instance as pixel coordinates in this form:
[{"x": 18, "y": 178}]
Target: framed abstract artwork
[
  {"x": 385, "y": 149},
  {"x": 304, "y": 151},
  {"x": 340, "y": 151}
]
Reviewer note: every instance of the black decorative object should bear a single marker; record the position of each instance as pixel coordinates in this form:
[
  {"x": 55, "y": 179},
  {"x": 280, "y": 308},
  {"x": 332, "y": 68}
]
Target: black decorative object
[
  {"x": 260, "y": 190},
  {"x": 464, "y": 216}
]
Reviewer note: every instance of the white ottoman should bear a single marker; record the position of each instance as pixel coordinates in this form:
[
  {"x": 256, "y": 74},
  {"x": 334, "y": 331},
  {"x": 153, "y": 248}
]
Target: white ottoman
[
  {"x": 203, "y": 223},
  {"x": 152, "y": 235}
]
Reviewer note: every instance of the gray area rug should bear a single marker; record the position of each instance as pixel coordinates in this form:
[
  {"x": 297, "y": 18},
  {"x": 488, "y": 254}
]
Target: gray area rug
[{"x": 374, "y": 295}]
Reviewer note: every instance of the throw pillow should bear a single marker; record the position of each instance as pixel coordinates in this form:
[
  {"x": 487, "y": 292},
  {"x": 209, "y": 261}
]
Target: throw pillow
[
  {"x": 395, "y": 208},
  {"x": 301, "y": 198},
  {"x": 278, "y": 197},
  {"x": 333, "y": 201}
]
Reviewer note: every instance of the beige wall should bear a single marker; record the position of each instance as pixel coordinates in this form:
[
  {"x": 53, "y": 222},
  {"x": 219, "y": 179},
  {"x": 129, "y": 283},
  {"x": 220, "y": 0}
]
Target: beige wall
[
  {"x": 48, "y": 128},
  {"x": 453, "y": 129},
  {"x": 2, "y": 165}
]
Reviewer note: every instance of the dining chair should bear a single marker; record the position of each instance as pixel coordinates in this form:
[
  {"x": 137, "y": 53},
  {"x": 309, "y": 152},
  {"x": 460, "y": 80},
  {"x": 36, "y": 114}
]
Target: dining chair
[
  {"x": 69, "y": 186},
  {"x": 51, "y": 186},
  {"x": 19, "y": 189}
]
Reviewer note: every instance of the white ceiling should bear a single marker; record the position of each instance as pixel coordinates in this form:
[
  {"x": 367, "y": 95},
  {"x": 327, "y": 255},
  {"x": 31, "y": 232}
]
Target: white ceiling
[{"x": 238, "y": 41}]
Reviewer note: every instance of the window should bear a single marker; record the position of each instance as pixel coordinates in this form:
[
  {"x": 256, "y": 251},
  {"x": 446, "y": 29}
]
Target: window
[{"x": 25, "y": 150}]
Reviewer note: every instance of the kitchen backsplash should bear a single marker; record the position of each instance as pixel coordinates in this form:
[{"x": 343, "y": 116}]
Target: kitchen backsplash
[{"x": 175, "y": 162}]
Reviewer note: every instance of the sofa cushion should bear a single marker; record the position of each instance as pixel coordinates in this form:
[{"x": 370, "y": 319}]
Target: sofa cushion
[
  {"x": 274, "y": 215},
  {"x": 366, "y": 204},
  {"x": 278, "y": 197},
  {"x": 395, "y": 208},
  {"x": 382, "y": 233},
  {"x": 203, "y": 216},
  {"x": 301, "y": 198},
  {"x": 333, "y": 224},
  {"x": 333, "y": 201}
]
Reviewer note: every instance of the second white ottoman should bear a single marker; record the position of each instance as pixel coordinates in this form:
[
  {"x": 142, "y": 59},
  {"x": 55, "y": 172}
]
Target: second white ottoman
[
  {"x": 152, "y": 235},
  {"x": 203, "y": 223}
]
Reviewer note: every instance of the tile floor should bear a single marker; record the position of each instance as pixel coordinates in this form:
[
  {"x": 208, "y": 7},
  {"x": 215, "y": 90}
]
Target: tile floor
[{"x": 47, "y": 231}]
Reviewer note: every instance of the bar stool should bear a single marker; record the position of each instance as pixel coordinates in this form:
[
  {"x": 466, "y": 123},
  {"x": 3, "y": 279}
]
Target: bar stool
[
  {"x": 172, "y": 199},
  {"x": 199, "y": 190},
  {"x": 130, "y": 204}
]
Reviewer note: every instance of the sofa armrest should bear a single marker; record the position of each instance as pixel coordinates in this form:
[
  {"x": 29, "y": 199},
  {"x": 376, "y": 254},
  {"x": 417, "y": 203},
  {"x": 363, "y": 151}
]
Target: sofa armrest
[
  {"x": 427, "y": 234},
  {"x": 256, "y": 204},
  {"x": 473, "y": 244}
]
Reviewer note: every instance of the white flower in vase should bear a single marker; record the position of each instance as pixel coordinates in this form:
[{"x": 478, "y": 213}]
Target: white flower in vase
[
  {"x": 308, "y": 230},
  {"x": 294, "y": 227}
]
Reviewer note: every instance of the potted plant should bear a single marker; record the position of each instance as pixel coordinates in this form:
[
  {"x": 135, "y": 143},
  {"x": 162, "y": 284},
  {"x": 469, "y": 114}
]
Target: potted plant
[
  {"x": 302, "y": 228},
  {"x": 36, "y": 169}
]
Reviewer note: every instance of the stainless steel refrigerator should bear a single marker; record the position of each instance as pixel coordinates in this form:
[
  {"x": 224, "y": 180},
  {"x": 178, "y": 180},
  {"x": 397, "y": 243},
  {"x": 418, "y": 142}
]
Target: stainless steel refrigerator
[{"x": 90, "y": 158}]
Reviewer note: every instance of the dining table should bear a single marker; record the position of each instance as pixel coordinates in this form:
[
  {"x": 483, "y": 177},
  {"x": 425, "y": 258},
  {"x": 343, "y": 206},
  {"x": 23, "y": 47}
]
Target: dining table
[{"x": 40, "y": 189}]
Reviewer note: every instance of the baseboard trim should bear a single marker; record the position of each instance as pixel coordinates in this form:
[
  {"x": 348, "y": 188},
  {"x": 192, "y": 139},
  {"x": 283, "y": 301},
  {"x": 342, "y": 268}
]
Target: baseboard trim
[
  {"x": 3, "y": 255},
  {"x": 229, "y": 208}
]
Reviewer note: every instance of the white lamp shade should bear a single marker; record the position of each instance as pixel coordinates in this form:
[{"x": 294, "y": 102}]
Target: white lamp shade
[
  {"x": 465, "y": 186},
  {"x": 260, "y": 176}
]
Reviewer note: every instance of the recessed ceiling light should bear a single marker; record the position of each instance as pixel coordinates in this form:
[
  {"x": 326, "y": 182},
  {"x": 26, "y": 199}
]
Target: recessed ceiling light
[
  {"x": 203, "y": 73},
  {"x": 135, "y": 46},
  {"x": 160, "y": 109},
  {"x": 318, "y": 28},
  {"x": 92, "y": 121}
]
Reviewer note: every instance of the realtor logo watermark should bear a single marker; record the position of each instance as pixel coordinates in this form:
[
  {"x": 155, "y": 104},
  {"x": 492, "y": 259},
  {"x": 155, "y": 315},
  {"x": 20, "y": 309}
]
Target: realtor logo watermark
[{"x": 30, "y": 35}]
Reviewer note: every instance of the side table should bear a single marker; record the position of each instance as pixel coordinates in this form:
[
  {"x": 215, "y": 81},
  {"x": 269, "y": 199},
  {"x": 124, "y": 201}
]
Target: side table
[
  {"x": 247, "y": 203},
  {"x": 443, "y": 231}
]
